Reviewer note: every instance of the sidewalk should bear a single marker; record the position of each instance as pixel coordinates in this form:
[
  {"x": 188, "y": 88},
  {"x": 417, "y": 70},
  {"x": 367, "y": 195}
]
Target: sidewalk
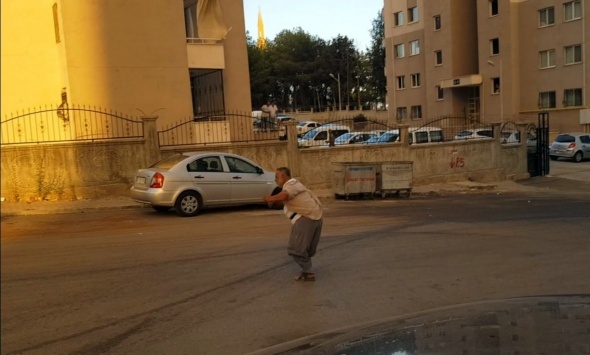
[{"x": 124, "y": 202}]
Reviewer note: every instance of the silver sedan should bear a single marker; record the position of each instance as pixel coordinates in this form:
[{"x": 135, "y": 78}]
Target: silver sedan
[{"x": 188, "y": 182}]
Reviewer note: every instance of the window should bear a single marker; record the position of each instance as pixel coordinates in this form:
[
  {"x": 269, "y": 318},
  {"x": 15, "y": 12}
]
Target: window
[
  {"x": 440, "y": 94},
  {"x": 495, "y": 85},
  {"x": 547, "y": 99},
  {"x": 401, "y": 113},
  {"x": 438, "y": 58},
  {"x": 401, "y": 82},
  {"x": 400, "y": 50},
  {"x": 412, "y": 14},
  {"x": 208, "y": 164},
  {"x": 572, "y": 97},
  {"x": 547, "y": 59},
  {"x": 190, "y": 20},
  {"x": 421, "y": 137},
  {"x": 437, "y": 23},
  {"x": 493, "y": 7},
  {"x": 417, "y": 111},
  {"x": 572, "y": 10},
  {"x": 237, "y": 165},
  {"x": 495, "y": 46},
  {"x": 414, "y": 47},
  {"x": 546, "y": 17},
  {"x": 398, "y": 18},
  {"x": 415, "y": 80},
  {"x": 573, "y": 54}
]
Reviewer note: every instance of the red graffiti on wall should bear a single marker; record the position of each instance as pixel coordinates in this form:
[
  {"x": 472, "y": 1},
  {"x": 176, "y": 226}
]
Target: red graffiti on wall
[{"x": 457, "y": 162}]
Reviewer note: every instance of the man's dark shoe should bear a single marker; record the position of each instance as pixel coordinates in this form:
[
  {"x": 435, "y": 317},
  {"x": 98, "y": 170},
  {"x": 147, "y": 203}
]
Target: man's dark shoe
[{"x": 305, "y": 276}]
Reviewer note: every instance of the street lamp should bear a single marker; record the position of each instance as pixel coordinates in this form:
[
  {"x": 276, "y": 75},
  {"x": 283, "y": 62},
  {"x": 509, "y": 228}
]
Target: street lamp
[
  {"x": 501, "y": 88},
  {"x": 339, "y": 97}
]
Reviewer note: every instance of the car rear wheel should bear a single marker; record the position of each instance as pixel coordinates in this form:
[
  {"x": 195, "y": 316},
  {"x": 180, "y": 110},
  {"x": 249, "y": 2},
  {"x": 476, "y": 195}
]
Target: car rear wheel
[
  {"x": 578, "y": 157},
  {"x": 188, "y": 204},
  {"x": 161, "y": 208},
  {"x": 553, "y": 157}
]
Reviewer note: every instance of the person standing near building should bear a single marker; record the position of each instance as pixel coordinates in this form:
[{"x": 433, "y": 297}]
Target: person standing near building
[
  {"x": 270, "y": 111},
  {"x": 273, "y": 110},
  {"x": 304, "y": 210}
]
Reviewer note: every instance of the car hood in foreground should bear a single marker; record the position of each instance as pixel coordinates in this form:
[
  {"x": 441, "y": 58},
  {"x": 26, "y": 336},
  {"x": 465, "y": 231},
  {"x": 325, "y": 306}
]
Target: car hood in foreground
[{"x": 540, "y": 324}]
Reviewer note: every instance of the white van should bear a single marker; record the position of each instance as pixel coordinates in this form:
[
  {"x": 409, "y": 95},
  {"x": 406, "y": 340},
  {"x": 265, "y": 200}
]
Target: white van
[
  {"x": 319, "y": 136},
  {"x": 418, "y": 135}
]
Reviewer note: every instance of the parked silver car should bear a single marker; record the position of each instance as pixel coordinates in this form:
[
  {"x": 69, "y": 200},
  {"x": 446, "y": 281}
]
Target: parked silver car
[
  {"x": 188, "y": 182},
  {"x": 575, "y": 146}
]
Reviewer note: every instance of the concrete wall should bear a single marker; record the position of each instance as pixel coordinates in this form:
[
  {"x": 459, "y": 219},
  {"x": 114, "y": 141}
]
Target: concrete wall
[
  {"x": 481, "y": 161},
  {"x": 87, "y": 170}
]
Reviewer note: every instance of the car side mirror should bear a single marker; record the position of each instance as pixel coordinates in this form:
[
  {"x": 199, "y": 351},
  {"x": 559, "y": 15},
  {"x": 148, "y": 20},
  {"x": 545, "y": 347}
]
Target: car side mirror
[{"x": 259, "y": 170}]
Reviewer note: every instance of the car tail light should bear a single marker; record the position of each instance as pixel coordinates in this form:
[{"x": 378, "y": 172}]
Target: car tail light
[
  {"x": 571, "y": 146},
  {"x": 157, "y": 181}
]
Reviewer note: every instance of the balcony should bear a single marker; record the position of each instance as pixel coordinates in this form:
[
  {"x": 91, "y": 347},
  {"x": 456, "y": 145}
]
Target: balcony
[
  {"x": 460, "y": 81},
  {"x": 205, "y": 53}
]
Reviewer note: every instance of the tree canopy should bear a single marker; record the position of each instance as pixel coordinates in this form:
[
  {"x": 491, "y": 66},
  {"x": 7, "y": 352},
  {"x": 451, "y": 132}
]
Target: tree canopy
[{"x": 302, "y": 71}]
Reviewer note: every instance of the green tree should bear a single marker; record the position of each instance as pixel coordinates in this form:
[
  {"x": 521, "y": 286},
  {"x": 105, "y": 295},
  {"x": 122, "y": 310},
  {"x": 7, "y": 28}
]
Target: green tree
[
  {"x": 341, "y": 58},
  {"x": 376, "y": 87},
  {"x": 294, "y": 70},
  {"x": 259, "y": 72}
]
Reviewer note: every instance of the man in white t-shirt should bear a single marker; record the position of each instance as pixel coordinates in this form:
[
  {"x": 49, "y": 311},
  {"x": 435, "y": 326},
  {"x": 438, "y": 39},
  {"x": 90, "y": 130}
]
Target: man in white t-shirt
[
  {"x": 304, "y": 210},
  {"x": 270, "y": 111}
]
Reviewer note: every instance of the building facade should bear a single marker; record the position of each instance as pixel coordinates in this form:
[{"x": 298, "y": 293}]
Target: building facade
[
  {"x": 490, "y": 60},
  {"x": 175, "y": 59}
]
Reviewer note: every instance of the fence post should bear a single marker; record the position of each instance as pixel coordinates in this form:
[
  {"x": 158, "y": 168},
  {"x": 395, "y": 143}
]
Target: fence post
[
  {"x": 151, "y": 144},
  {"x": 403, "y": 134},
  {"x": 496, "y": 131},
  {"x": 524, "y": 148},
  {"x": 292, "y": 148}
]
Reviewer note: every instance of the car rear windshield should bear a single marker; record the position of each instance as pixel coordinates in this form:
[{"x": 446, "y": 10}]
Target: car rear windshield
[
  {"x": 565, "y": 138},
  {"x": 169, "y": 162},
  {"x": 464, "y": 134}
]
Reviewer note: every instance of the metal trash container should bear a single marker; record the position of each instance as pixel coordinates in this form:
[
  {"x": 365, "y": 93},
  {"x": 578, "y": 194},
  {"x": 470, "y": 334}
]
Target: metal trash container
[
  {"x": 353, "y": 179},
  {"x": 394, "y": 177}
]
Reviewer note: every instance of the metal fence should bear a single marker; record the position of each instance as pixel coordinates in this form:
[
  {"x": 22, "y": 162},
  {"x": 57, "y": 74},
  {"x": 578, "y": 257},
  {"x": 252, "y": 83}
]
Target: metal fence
[
  {"x": 441, "y": 129},
  {"x": 221, "y": 128},
  {"x": 457, "y": 128},
  {"x": 67, "y": 123}
]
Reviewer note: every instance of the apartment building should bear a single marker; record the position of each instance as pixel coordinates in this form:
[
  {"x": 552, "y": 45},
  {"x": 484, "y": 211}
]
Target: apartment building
[
  {"x": 491, "y": 60},
  {"x": 172, "y": 58}
]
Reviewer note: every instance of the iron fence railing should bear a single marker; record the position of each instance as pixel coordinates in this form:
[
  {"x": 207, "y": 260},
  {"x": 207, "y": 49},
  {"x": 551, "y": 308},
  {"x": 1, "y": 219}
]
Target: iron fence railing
[
  {"x": 457, "y": 128},
  {"x": 221, "y": 128},
  {"x": 67, "y": 123}
]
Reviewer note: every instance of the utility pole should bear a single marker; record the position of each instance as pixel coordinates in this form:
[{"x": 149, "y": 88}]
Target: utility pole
[{"x": 339, "y": 97}]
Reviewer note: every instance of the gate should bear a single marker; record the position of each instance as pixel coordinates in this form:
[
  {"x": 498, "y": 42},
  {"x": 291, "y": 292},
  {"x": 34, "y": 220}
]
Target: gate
[{"x": 538, "y": 154}]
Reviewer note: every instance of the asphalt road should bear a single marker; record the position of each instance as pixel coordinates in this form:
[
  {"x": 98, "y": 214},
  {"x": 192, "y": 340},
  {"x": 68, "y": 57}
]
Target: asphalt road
[{"x": 138, "y": 282}]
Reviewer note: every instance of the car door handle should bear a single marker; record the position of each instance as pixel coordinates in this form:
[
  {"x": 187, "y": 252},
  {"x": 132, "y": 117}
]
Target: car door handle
[
  {"x": 199, "y": 177},
  {"x": 237, "y": 177}
]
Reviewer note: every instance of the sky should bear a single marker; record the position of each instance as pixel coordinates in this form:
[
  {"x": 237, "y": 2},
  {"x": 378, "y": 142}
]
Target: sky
[{"x": 323, "y": 18}]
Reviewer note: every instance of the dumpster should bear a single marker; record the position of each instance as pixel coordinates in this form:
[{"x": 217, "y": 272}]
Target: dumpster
[
  {"x": 356, "y": 179},
  {"x": 394, "y": 177}
]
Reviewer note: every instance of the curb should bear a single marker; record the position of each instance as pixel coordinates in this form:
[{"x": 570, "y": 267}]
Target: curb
[{"x": 10, "y": 209}]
